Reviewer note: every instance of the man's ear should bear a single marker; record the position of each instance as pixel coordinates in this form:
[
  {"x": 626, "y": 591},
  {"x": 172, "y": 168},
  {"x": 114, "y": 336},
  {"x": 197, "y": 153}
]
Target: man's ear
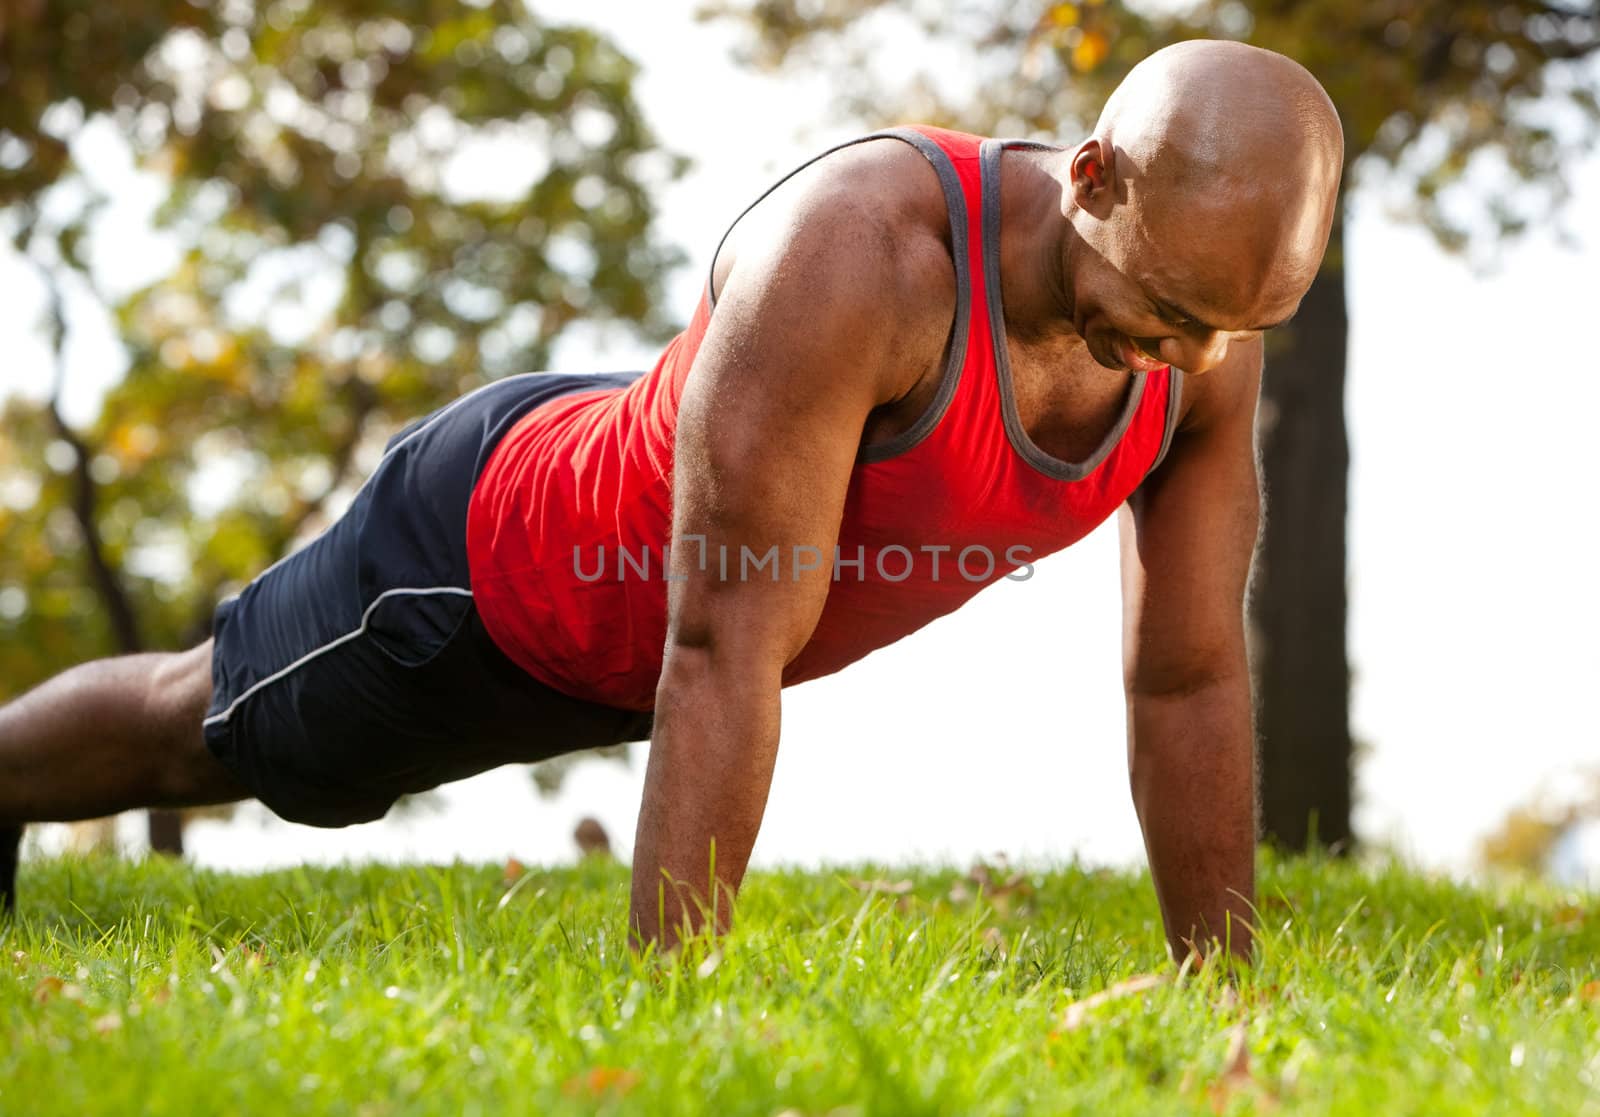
[{"x": 1093, "y": 171}]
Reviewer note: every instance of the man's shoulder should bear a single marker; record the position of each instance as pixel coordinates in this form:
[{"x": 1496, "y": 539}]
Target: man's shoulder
[
  {"x": 892, "y": 172},
  {"x": 871, "y": 216},
  {"x": 900, "y": 204},
  {"x": 892, "y": 191}
]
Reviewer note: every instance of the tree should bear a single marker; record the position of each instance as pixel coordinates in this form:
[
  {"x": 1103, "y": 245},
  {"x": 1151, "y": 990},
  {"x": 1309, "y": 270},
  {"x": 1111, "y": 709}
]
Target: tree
[
  {"x": 1464, "y": 114},
  {"x": 369, "y": 209}
]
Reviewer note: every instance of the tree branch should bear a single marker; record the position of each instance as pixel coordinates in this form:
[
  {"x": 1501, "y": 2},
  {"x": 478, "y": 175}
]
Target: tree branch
[
  {"x": 342, "y": 461},
  {"x": 165, "y": 827},
  {"x": 85, "y": 492}
]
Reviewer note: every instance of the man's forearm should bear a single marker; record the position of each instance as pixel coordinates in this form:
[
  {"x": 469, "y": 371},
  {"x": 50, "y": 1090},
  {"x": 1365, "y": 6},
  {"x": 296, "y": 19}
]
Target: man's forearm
[
  {"x": 1191, "y": 758},
  {"x": 711, "y": 758}
]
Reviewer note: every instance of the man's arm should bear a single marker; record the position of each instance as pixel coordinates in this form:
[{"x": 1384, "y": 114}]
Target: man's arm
[
  {"x": 809, "y": 336},
  {"x": 1188, "y": 536}
]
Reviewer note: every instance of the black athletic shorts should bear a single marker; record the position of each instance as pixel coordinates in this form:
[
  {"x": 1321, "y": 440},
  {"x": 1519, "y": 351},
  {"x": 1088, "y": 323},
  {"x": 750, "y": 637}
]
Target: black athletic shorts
[{"x": 357, "y": 670}]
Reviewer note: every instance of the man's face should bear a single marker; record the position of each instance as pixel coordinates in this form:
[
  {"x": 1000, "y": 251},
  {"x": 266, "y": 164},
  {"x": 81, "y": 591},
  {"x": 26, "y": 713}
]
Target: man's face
[{"x": 1156, "y": 285}]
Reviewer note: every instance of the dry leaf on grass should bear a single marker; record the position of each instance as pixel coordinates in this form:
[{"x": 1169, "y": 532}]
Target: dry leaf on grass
[
  {"x": 253, "y": 958},
  {"x": 514, "y": 870},
  {"x": 1236, "y": 1074},
  {"x": 891, "y": 887},
  {"x": 601, "y": 1080},
  {"x": 987, "y": 878},
  {"x": 1236, "y": 1066},
  {"x": 1078, "y": 1011}
]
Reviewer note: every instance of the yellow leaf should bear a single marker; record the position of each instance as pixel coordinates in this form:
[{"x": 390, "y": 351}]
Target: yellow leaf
[{"x": 1090, "y": 51}]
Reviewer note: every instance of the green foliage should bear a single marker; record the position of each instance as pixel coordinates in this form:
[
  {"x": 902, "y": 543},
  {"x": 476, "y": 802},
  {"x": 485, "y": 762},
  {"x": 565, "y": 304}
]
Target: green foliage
[
  {"x": 374, "y": 207},
  {"x": 1528, "y": 836},
  {"x": 162, "y": 990},
  {"x": 1424, "y": 87}
]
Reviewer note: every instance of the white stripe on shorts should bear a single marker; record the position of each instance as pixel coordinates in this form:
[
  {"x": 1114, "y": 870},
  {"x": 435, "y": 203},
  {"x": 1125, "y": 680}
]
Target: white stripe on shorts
[{"x": 330, "y": 645}]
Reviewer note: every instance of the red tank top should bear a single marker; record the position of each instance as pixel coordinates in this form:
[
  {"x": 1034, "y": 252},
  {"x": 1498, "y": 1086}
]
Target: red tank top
[{"x": 568, "y": 522}]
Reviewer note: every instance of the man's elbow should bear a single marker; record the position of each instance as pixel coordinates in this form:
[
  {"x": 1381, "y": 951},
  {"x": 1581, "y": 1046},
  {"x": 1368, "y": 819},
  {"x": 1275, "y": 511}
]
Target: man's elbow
[
  {"x": 1185, "y": 676},
  {"x": 717, "y": 659}
]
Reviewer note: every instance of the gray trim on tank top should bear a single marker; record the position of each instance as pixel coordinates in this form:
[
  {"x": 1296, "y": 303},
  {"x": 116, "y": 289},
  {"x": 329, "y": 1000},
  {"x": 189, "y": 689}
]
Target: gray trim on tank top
[
  {"x": 989, "y": 169},
  {"x": 956, "y": 205},
  {"x": 1174, "y": 405},
  {"x": 1174, "y": 373}
]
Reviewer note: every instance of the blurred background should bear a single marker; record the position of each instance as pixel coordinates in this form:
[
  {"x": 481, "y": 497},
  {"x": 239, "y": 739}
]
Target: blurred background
[{"x": 243, "y": 241}]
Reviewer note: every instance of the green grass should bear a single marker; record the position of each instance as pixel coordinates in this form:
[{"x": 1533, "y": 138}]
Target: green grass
[{"x": 162, "y": 990}]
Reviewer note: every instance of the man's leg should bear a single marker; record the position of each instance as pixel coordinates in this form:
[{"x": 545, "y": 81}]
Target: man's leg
[{"x": 109, "y": 736}]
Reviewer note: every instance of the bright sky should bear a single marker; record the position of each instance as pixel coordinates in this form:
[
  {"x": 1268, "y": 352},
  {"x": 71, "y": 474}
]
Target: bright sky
[{"x": 1474, "y": 601}]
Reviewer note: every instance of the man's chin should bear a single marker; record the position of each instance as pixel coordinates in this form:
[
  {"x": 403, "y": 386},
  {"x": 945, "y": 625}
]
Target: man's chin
[
  {"x": 1103, "y": 355},
  {"x": 1130, "y": 356}
]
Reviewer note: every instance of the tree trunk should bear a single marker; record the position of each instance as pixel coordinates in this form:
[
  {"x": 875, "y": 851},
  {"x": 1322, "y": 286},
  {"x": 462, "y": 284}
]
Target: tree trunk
[
  {"x": 166, "y": 832},
  {"x": 1297, "y": 605},
  {"x": 10, "y": 848},
  {"x": 165, "y": 827}
]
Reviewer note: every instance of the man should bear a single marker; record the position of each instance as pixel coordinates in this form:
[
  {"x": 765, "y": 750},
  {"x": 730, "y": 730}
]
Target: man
[{"x": 921, "y": 363}]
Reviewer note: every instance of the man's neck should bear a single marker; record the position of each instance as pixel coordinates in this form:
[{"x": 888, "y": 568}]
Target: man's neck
[{"x": 1036, "y": 237}]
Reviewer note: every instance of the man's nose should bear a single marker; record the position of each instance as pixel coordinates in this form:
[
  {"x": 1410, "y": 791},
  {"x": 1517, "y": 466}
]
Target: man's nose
[{"x": 1196, "y": 352}]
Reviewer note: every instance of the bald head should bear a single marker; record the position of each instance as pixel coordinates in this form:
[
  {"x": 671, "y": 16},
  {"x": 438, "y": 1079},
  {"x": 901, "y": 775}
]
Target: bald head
[
  {"x": 1209, "y": 109},
  {"x": 1213, "y": 173},
  {"x": 1212, "y": 133}
]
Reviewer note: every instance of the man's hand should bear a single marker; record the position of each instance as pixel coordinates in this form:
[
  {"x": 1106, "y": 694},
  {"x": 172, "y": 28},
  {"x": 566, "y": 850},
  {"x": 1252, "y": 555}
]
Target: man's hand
[
  {"x": 816, "y": 325},
  {"x": 1188, "y": 536}
]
